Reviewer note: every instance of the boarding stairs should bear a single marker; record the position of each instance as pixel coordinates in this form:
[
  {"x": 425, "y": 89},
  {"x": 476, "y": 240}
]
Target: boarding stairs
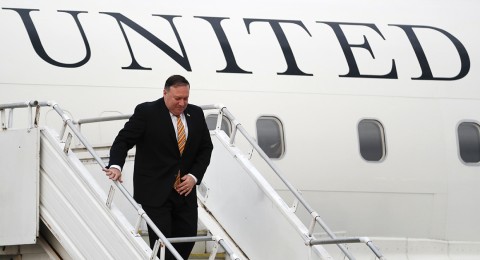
[{"x": 86, "y": 216}]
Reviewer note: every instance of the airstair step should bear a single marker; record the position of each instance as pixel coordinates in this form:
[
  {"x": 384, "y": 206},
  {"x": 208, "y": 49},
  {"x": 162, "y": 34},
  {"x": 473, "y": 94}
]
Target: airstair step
[
  {"x": 219, "y": 256},
  {"x": 201, "y": 249}
]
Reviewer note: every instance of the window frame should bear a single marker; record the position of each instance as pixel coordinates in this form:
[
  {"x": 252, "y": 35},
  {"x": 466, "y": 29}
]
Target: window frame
[
  {"x": 229, "y": 123},
  {"x": 282, "y": 134},
  {"x": 383, "y": 138},
  {"x": 474, "y": 122}
]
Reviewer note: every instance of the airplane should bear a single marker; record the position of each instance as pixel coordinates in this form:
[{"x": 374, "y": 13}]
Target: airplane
[{"x": 369, "y": 108}]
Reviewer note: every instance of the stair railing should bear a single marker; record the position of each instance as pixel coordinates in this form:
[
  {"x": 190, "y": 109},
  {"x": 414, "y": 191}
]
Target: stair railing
[{"x": 316, "y": 219}]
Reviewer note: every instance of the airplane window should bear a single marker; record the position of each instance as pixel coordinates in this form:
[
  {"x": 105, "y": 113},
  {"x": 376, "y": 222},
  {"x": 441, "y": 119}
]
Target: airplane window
[
  {"x": 372, "y": 140},
  {"x": 469, "y": 142},
  {"x": 212, "y": 123},
  {"x": 270, "y": 136}
]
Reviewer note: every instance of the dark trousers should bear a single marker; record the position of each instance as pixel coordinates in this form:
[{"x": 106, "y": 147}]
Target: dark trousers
[{"x": 175, "y": 218}]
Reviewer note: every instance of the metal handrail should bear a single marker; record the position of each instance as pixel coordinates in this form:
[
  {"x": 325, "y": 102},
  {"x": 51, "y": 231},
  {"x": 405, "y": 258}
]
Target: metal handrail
[{"x": 316, "y": 217}]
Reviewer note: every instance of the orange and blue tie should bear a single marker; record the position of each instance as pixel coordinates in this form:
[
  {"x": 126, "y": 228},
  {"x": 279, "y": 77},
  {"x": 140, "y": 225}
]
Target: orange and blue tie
[{"x": 181, "y": 140}]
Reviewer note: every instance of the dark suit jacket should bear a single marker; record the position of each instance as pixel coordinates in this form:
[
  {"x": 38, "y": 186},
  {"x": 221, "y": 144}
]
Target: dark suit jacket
[{"x": 157, "y": 158}]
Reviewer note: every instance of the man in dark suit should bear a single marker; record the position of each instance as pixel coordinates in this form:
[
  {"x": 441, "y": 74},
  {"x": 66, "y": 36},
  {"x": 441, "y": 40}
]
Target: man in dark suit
[{"x": 172, "y": 139}]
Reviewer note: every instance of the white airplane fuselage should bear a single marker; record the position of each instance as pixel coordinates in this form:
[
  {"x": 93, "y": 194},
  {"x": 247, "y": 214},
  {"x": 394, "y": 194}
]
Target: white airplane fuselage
[{"x": 320, "y": 67}]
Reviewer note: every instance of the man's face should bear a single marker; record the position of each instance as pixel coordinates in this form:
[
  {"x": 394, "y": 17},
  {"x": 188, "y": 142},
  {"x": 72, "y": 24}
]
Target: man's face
[{"x": 176, "y": 98}]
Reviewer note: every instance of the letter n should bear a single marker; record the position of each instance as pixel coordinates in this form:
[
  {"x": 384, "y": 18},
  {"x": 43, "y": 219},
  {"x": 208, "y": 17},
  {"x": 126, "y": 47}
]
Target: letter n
[{"x": 182, "y": 60}]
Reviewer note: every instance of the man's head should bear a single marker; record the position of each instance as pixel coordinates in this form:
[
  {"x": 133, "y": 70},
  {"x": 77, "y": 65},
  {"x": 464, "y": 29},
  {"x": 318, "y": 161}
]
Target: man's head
[{"x": 175, "y": 94}]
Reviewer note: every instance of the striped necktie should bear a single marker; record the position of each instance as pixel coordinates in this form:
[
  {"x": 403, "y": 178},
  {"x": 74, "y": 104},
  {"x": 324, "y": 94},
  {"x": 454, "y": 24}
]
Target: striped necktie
[
  {"x": 181, "y": 140},
  {"x": 181, "y": 135}
]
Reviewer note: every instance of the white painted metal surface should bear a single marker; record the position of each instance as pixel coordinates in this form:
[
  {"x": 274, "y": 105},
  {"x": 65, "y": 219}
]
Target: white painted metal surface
[
  {"x": 217, "y": 230},
  {"x": 19, "y": 166},
  {"x": 250, "y": 210},
  {"x": 73, "y": 208}
]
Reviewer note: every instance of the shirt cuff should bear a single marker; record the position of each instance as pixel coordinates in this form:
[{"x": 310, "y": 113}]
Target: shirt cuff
[
  {"x": 116, "y": 167},
  {"x": 195, "y": 178}
]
